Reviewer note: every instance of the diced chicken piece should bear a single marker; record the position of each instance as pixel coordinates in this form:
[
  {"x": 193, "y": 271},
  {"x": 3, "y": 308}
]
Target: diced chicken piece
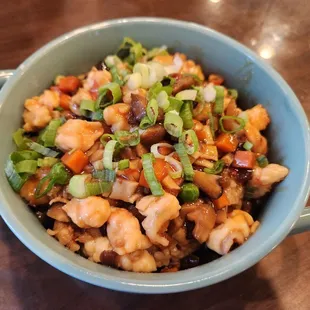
[
  {"x": 82, "y": 94},
  {"x": 89, "y": 212},
  {"x": 124, "y": 190},
  {"x": 117, "y": 116},
  {"x": 97, "y": 78},
  {"x": 234, "y": 192},
  {"x": 139, "y": 261},
  {"x": 94, "y": 248},
  {"x": 124, "y": 232},
  {"x": 78, "y": 134},
  {"x": 57, "y": 213},
  {"x": 258, "y": 117},
  {"x": 204, "y": 217},
  {"x": 65, "y": 234},
  {"x": 127, "y": 93},
  {"x": 50, "y": 99},
  {"x": 264, "y": 178},
  {"x": 236, "y": 229},
  {"x": 158, "y": 211},
  {"x": 254, "y": 136},
  {"x": 36, "y": 115}
]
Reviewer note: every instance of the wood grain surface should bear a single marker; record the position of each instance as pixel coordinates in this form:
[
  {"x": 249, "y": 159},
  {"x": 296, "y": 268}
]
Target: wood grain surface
[{"x": 278, "y": 30}]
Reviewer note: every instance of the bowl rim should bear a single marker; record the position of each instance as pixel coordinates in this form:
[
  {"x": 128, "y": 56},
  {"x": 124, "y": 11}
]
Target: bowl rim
[{"x": 65, "y": 265}]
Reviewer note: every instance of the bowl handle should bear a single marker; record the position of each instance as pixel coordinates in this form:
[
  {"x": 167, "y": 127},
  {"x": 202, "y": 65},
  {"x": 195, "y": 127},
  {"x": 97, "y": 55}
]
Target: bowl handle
[
  {"x": 4, "y": 76},
  {"x": 303, "y": 224}
]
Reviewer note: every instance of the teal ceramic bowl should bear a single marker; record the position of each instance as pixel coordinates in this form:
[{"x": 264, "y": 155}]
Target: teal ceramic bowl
[{"x": 288, "y": 136}]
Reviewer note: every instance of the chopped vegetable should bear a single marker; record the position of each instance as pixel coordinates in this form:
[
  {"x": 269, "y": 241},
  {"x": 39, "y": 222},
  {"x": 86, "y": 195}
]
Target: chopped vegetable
[
  {"x": 187, "y": 166},
  {"x": 173, "y": 124},
  {"x": 41, "y": 149},
  {"x": 240, "y": 120},
  {"x": 247, "y": 145},
  {"x": 16, "y": 181},
  {"x": 69, "y": 84},
  {"x": 57, "y": 175},
  {"x": 123, "y": 164},
  {"x": 174, "y": 105},
  {"x": 75, "y": 160},
  {"x": 106, "y": 175},
  {"x": 108, "y": 94},
  {"x": 64, "y": 101},
  {"x": 160, "y": 150},
  {"x": 162, "y": 100},
  {"x": 26, "y": 166},
  {"x": 157, "y": 51},
  {"x": 187, "y": 94},
  {"x": 130, "y": 51},
  {"x": 262, "y": 161},
  {"x": 47, "y": 161},
  {"x": 18, "y": 137},
  {"x": 49, "y": 135},
  {"x": 152, "y": 111},
  {"x": 190, "y": 141},
  {"x": 217, "y": 168},
  {"x": 88, "y": 105},
  {"x": 244, "y": 159},
  {"x": 187, "y": 115},
  {"x": 108, "y": 154},
  {"x": 77, "y": 185},
  {"x": 148, "y": 169},
  {"x": 208, "y": 183},
  {"x": 233, "y": 93},
  {"x": 97, "y": 188},
  {"x": 126, "y": 138},
  {"x": 221, "y": 202},
  {"x": 105, "y": 138},
  {"x": 219, "y": 100},
  {"x": 189, "y": 192},
  {"x": 226, "y": 142}
]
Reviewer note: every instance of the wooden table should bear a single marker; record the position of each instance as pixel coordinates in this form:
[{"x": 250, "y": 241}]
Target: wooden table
[{"x": 276, "y": 29}]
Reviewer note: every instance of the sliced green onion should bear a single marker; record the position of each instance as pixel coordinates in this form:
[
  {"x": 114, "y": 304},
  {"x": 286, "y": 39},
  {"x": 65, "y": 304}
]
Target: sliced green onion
[
  {"x": 145, "y": 123},
  {"x": 233, "y": 93},
  {"x": 106, "y": 175},
  {"x": 262, "y": 161},
  {"x": 115, "y": 76},
  {"x": 97, "y": 188},
  {"x": 217, "y": 168},
  {"x": 108, "y": 154},
  {"x": 106, "y": 92},
  {"x": 240, "y": 120},
  {"x": 88, "y": 105},
  {"x": 173, "y": 124},
  {"x": 247, "y": 145},
  {"x": 219, "y": 99},
  {"x": 212, "y": 127},
  {"x": 199, "y": 96},
  {"x": 189, "y": 192},
  {"x": 152, "y": 111},
  {"x": 77, "y": 185},
  {"x": 127, "y": 138},
  {"x": 60, "y": 109},
  {"x": 26, "y": 166},
  {"x": 97, "y": 115},
  {"x": 47, "y": 161},
  {"x": 49, "y": 135},
  {"x": 162, "y": 100},
  {"x": 154, "y": 149},
  {"x": 154, "y": 91},
  {"x": 123, "y": 164},
  {"x": 23, "y": 155},
  {"x": 187, "y": 115},
  {"x": 18, "y": 137},
  {"x": 58, "y": 175},
  {"x": 168, "y": 83},
  {"x": 174, "y": 104},
  {"x": 41, "y": 149},
  {"x": 15, "y": 180},
  {"x": 105, "y": 138},
  {"x": 187, "y": 166},
  {"x": 190, "y": 141},
  {"x": 176, "y": 165},
  {"x": 130, "y": 51},
  {"x": 187, "y": 94},
  {"x": 156, "y": 51},
  {"x": 155, "y": 186}
]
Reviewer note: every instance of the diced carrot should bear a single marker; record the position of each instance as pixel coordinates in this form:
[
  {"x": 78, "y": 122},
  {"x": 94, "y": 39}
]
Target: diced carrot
[
  {"x": 221, "y": 202},
  {"x": 69, "y": 84},
  {"x": 64, "y": 101},
  {"x": 160, "y": 169},
  {"x": 75, "y": 161},
  {"x": 226, "y": 142},
  {"x": 216, "y": 79},
  {"x": 164, "y": 59},
  {"x": 244, "y": 159}
]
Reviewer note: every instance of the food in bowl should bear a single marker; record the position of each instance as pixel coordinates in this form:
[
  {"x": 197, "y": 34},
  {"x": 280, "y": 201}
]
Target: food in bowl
[{"x": 143, "y": 164}]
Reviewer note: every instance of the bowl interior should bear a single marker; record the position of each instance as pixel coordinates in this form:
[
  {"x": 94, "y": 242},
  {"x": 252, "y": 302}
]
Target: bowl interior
[{"x": 76, "y": 53}]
